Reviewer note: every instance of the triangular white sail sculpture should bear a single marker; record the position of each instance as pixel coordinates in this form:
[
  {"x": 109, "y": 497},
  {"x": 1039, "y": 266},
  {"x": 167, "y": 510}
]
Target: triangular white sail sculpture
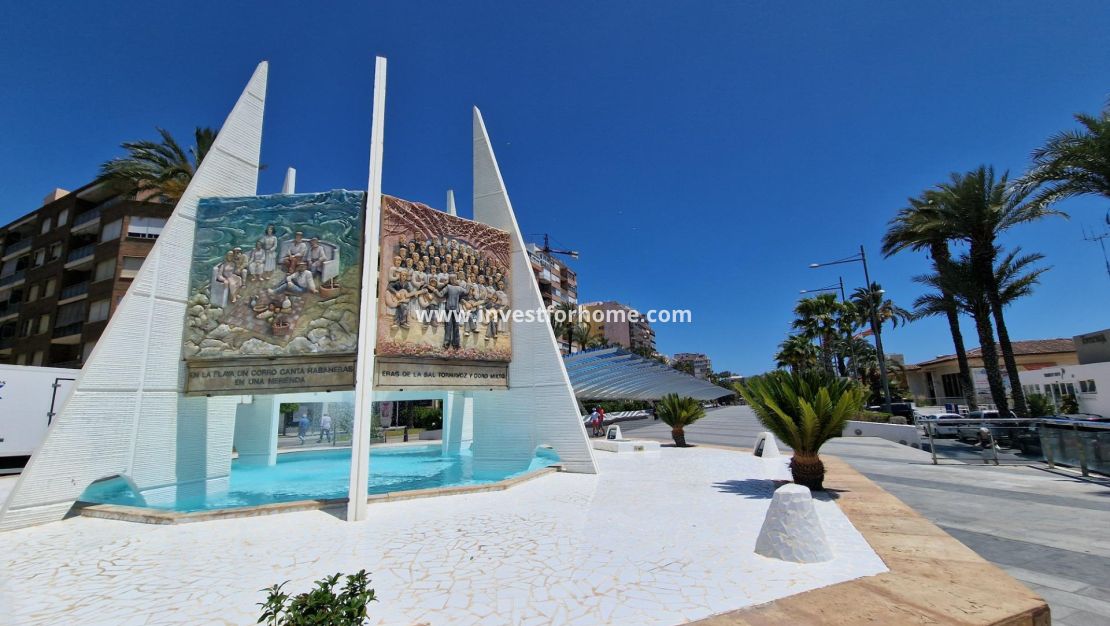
[
  {"x": 126, "y": 415},
  {"x": 539, "y": 408}
]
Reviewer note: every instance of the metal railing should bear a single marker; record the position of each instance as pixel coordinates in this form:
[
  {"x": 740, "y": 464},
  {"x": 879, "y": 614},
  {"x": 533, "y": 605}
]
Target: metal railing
[
  {"x": 18, "y": 246},
  {"x": 1077, "y": 443},
  {"x": 74, "y": 290},
  {"x": 14, "y": 277},
  {"x": 9, "y": 308},
  {"x": 68, "y": 329},
  {"x": 86, "y": 217},
  {"x": 80, "y": 253}
]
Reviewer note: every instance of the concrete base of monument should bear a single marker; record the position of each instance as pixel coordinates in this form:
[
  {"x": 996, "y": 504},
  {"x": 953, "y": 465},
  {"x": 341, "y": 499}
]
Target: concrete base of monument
[
  {"x": 622, "y": 446},
  {"x": 521, "y": 556}
]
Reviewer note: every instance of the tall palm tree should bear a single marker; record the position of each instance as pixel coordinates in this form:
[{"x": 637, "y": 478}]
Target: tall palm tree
[
  {"x": 157, "y": 168},
  {"x": 564, "y": 322},
  {"x": 917, "y": 228},
  {"x": 816, "y": 319},
  {"x": 797, "y": 353},
  {"x": 1014, "y": 274},
  {"x": 1073, "y": 162},
  {"x": 976, "y": 207}
]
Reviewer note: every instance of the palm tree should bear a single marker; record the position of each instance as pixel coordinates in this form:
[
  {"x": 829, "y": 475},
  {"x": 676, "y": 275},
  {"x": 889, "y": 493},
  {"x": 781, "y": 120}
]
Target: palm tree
[
  {"x": 564, "y": 323},
  {"x": 916, "y": 227},
  {"x": 678, "y": 413},
  {"x": 816, "y": 318},
  {"x": 797, "y": 353},
  {"x": 804, "y": 410},
  {"x": 976, "y": 207},
  {"x": 1015, "y": 278},
  {"x": 877, "y": 310},
  {"x": 1072, "y": 163},
  {"x": 157, "y": 168}
]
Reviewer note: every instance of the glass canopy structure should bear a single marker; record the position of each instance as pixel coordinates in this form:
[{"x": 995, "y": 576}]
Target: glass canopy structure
[{"x": 617, "y": 374}]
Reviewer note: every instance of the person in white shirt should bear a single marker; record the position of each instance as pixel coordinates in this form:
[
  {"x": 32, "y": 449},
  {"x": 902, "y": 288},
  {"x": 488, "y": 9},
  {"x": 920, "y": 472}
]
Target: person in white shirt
[{"x": 325, "y": 429}]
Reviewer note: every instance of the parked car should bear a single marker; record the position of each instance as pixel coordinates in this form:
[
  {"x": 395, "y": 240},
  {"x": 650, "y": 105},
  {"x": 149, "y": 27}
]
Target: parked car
[
  {"x": 940, "y": 430},
  {"x": 970, "y": 431}
]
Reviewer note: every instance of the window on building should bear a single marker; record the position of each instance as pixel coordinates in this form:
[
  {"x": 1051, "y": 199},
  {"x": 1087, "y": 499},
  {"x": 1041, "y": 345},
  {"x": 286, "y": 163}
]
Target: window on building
[
  {"x": 47, "y": 224},
  {"x": 951, "y": 385},
  {"x": 145, "y": 227},
  {"x": 51, "y": 286},
  {"x": 21, "y": 359},
  {"x": 63, "y": 217},
  {"x": 37, "y": 358},
  {"x": 98, "y": 311},
  {"x": 86, "y": 350},
  {"x": 104, "y": 270},
  {"x": 33, "y": 293},
  {"x": 130, "y": 267},
  {"x": 44, "y": 323},
  {"x": 40, "y": 257},
  {"x": 26, "y": 328},
  {"x": 111, "y": 230},
  {"x": 55, "y": 251},
  {"x": 1087, "y": 386}
]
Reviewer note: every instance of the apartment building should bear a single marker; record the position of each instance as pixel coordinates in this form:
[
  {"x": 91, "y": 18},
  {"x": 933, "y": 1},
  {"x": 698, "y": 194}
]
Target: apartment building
[
  {"x": 617, "y": 324},
  {"x": 558, "y": 283},
  {"x": 65, "y": 266},
  {"x": 699, "y": 361}
]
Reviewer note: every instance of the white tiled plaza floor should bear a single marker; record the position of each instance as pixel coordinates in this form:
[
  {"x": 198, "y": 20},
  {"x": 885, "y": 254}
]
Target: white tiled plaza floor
[{"x": 658, "y": 539}]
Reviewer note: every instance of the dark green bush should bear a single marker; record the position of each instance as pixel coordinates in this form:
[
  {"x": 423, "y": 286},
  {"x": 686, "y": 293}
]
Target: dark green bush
[
  {"x": 872, "y": 416},
  {"x": 427, "y": 417},
  {"x": 322, "y": 605}
]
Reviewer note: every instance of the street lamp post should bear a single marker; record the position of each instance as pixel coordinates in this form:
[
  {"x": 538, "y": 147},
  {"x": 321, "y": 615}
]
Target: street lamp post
[{"x": 876, "y": 327}]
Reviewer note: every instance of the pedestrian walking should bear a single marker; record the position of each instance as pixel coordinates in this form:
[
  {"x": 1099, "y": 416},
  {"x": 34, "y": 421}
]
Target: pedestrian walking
[
  {"x": 594, "y": 416},
  {"x": 302, "y": 427},
  {"x": 325, "y": 429}
]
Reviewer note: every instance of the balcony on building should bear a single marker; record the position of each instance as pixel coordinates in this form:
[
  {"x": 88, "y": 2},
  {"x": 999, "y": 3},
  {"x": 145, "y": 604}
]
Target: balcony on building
[
  {"x": 86, "y": 222},
  {"x": 68, "y": 334},
  {"x": 80, "y": 257},
  {"x": 9, "y": 310},
  {"x": 73, "y": 292},
  {"x": 15, "y": 248},
  {"x": 13, "y": 279}
]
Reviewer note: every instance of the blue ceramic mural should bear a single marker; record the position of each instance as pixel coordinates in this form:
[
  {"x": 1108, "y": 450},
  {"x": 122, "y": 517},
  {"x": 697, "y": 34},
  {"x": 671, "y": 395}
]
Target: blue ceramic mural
[{"x": 275, "y": 276}]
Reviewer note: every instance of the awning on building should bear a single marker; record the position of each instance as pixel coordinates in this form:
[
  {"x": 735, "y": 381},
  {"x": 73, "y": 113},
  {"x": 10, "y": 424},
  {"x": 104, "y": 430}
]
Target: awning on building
[{"x": 617, "y": 374}]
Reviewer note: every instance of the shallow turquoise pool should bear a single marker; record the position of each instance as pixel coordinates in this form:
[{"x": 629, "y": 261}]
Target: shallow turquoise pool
[{"x": 315, "y": 474}]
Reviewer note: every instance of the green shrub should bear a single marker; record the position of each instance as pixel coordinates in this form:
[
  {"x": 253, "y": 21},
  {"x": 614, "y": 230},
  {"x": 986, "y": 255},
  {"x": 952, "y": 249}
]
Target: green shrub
[
  {"x": 1039, "y": 405},
  {"x": 872, "y": 416},
  {"x": 804, "y": 409},
  {"x": 427, "y": 417},
  {"x": 679, "y": 412},
  {"x": 321, "y": 605}
]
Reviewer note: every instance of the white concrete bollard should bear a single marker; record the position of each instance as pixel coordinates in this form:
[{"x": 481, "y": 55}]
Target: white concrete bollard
[
  {"x": 766, "y": 446},
  {"x": 791, "y": 530}
]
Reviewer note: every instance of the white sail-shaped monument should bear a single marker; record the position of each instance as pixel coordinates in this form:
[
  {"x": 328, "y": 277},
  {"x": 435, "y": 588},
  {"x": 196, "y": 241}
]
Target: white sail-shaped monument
[{"x": 127, "y": 415}]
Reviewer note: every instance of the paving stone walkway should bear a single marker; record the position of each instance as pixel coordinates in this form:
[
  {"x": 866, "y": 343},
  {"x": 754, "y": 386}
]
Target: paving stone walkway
[
  {"x": 1049, "y": 530},
  {"x": 654, "y": 539}
]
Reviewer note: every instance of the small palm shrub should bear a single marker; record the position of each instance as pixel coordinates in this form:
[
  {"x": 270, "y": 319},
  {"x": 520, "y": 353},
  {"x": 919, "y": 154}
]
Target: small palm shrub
[
  {"x": 1039, "y": 405},
  {"x": 1068, "y": 404},
  {"x": 322, "y": 605},
  {"x": 679, "y": 412},
  {"x": 804, "y": 409}
]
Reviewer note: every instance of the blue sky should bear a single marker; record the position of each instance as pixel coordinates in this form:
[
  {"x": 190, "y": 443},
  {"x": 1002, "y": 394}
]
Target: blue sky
[{"x": 699, "y": 155}]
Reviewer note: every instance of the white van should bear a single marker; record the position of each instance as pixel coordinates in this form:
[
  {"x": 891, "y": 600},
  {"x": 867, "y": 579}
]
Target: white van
[{"x": 30, "y": 397}]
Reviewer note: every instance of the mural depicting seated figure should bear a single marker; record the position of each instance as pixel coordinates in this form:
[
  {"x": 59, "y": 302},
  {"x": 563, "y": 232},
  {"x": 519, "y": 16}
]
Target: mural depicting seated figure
[
  {"x": 300, "y": 281},
  {"x": 228, "y": 277},
  {"x": 321, "y": 257}
]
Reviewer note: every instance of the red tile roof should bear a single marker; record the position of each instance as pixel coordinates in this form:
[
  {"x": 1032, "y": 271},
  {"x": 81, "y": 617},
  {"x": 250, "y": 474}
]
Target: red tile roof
[{"x": 1033, "y": 346}]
